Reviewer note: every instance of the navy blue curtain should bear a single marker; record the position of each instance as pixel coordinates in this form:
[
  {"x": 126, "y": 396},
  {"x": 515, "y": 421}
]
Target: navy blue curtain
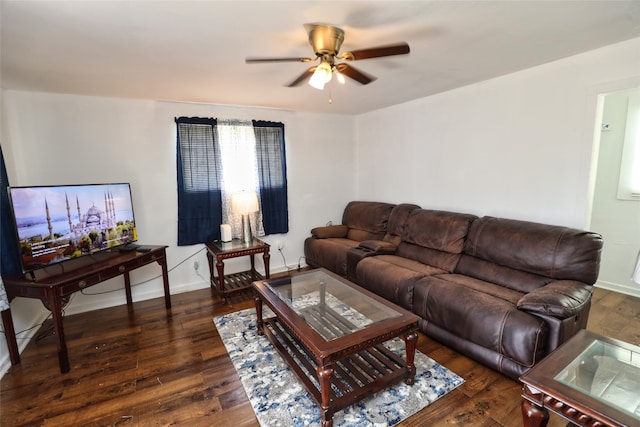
[
  {"x": 272, "y": 170},
  {"x": 199, "y": 192},
  {"x": 199, "y": 167},
  {"x": 9, "y": 255}
]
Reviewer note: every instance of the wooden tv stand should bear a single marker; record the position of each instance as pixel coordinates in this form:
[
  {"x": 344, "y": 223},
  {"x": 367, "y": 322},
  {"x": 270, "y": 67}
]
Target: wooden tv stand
[{"x": 55, "y": 289}]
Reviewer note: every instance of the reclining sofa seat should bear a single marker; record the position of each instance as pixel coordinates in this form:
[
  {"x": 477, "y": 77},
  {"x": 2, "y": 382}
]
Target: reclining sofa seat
[
  {"x": 328, "y": 246},
  {"x": 431, "y": 243},
  {"x": 519, "y": 290},
  {"x": 388, "y": 244}
]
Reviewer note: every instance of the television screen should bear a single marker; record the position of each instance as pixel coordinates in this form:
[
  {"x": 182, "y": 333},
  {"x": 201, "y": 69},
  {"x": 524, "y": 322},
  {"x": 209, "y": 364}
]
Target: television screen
[{"x": 58, "y": 223}]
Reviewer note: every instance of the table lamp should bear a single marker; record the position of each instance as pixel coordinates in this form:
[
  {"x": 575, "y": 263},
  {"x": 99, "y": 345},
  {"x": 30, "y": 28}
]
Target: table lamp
[{"x": 244, "y": 203}]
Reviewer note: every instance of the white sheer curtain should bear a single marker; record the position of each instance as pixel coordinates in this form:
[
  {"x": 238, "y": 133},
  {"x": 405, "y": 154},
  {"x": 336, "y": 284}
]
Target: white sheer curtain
[{"x": 239, "y": 171}]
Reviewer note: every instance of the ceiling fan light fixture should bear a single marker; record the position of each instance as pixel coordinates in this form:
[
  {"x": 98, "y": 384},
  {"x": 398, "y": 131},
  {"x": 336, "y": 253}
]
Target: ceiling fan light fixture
[
  {"x": 316, "y": 83},
  {"x": 339, "y": 76},
  {"x": 321, "y": 76}
]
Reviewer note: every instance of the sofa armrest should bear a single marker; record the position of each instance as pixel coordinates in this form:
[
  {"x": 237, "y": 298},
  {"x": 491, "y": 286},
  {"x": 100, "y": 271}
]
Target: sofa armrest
[
  {"x": 366, "y": 249},
  {"x": 329, "y": 231},
  {"x": 378, "y": 247},
  {"x": 561, "y": 299}
]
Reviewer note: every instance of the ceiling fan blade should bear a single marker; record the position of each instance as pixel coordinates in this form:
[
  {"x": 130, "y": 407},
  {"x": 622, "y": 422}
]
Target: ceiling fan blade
[
  {"x": 260, "y": 60},
  {"x": 302, "y": 77},
  {"x": 376, "y": 52},
  {"x": 355, "y": 74}
]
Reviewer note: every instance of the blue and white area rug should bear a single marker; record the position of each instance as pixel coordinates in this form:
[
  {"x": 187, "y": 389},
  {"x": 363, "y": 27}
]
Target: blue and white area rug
[{"x": 279, "y": 399}]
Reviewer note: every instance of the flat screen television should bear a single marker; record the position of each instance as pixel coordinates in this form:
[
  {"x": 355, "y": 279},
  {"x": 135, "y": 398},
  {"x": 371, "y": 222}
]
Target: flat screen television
[{"x": 56, "y": 223}]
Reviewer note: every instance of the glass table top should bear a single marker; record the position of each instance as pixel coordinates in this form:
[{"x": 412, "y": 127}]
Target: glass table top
[
  {"x": 330, "y": 306},
  {"x": 607, "y": 373},
  {"x": 237, "y": 244}
]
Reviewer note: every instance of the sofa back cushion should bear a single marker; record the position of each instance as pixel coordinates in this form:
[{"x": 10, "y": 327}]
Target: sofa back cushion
[
  {"x": 518, "y": 280},
  {"x": 366, "y": 220},
  {"x": 398, "y": 221},
  {"x": 537, "y": 253},
  {"x": 435, "y": 237}
]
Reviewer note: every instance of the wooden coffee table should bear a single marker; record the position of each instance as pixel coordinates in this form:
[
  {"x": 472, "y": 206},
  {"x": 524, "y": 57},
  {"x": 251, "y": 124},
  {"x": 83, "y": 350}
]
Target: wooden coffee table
[
  {"x": 330, "y": 332},
  {"x": 590, "y": 380}
]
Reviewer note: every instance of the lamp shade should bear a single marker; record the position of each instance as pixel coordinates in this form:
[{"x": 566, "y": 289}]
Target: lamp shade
[{"x": 244, "y": 202}]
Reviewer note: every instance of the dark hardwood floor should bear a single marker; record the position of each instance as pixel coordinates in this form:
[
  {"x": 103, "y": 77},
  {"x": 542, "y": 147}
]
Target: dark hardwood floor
[{"x": 147, "y": 367}]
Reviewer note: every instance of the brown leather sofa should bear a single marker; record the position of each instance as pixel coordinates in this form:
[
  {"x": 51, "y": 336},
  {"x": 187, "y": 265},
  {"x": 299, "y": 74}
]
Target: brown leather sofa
[{"x": 501, "y": 291}]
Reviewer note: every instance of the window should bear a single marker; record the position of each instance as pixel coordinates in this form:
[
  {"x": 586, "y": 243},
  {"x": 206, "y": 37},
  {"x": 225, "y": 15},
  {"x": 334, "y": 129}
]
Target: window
[
  {"x": 216, "y": 158},
  {"x": 629, "y": 182}
]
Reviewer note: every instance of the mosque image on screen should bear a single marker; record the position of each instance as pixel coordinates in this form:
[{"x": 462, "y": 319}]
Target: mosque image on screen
[{"x": 58, "y": 223}]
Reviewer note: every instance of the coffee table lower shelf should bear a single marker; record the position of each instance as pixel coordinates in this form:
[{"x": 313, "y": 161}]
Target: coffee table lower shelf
[{"x": 354, "y": 376}]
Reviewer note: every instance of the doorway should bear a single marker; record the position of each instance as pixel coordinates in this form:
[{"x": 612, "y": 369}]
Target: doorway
[{"x": 615, "y": 217}]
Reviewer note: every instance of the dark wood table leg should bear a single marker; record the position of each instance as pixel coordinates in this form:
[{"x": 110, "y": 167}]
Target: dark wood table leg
[
  {"x": 533, "y": 415},
  {"x": 410, "y": 341},
  {"x": 165, "y": 279},
  {"x": 220, "y": 267},
  {"x": 10, "y": 335},
  {"x": 127, "y": 288},
  {"x": 55, "y": 306},
  {"x": 259, "y": 321},
  {"x": 265, "y": 258},
  {"x": 325, "y": 372},
  {"x": 211, "y": 273}
]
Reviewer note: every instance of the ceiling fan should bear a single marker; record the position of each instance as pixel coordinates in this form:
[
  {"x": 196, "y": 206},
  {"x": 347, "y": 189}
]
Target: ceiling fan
[{"x": 326, "y": 41}]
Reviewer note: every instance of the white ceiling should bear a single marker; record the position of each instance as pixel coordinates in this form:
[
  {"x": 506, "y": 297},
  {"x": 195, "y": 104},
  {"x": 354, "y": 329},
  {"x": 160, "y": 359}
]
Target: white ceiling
[{"x": 194, "y": 51}]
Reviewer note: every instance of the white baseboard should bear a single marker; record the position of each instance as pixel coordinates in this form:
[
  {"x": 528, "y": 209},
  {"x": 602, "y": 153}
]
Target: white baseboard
[
  {"x": 632, "y": 290},
  {"x": 118, "y": 298}
]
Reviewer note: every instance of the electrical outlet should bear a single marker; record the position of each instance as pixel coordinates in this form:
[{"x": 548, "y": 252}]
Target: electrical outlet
[
  {"x": 279, "y": 245},
  {"x": 196, "y": 265}
]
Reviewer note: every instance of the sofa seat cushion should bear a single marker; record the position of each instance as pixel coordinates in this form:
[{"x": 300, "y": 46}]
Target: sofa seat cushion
[
  {"x": 392, "y": 277},
  {"x": 388, "y": 261},
  {"x": 487, "y": 317},
  {"x": 329, "y": 253},
  {"x": 484, "y": 287}
]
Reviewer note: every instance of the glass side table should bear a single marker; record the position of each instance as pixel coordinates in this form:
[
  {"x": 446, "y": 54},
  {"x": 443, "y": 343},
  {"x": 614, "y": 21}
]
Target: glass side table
[
  {"x": 230, "y": 283},
  {"x": 590, "y": 380}
]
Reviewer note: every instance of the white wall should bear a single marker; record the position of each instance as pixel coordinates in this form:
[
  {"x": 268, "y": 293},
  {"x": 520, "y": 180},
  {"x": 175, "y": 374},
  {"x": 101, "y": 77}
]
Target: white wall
[
  {"x": 67, "y": 139},
  {"x": 617, "y": 220},
  {"x": 517, "y": 146}
]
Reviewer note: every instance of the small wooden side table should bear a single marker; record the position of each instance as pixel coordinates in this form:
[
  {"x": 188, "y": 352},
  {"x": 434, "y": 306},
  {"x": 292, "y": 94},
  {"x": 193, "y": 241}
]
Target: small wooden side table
[
  {"x": 590, "y": 381},
  {"x": 236, "y": 248}
]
